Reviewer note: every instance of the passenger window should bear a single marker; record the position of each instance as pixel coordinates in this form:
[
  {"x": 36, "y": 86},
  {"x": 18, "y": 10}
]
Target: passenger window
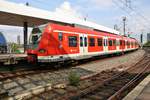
[
  {"x": 110, "y": 42},
  {"x": 60, "y": 36},
  {"x": 99, "y": 41},
  {"x": 92, "y": 42},
  {"x": 72, "y": 41},
  {"x": 81, "y": 42},
  {"x": 104, "y": 42},
  {"x": 120, "y": 42},
  {"x": 123, "y": 42},
  {"x": 114, "y": 42},
  {"x": 85, "y": 41}
]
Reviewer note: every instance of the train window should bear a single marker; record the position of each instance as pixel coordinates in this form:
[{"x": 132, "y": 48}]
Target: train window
[
  {"x": 120, "y": 42},
  {"x": 105, "y": 42},
  {"x": 92, "y": 42},
  {"x": 81, "y": 42},
  {"x": 85, "y": 41},
  {"x": 99, "y": 41},
  {"x": 110, "y": 43},
  {"x": 114, "y": 42},
  {"x": 72, "y": 41},
  {"x": 34, "y": 39},
  {"x": 60, "y": 36}
]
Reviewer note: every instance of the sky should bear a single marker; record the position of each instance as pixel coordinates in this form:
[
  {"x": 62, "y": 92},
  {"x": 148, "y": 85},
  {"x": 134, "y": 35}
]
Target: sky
[{"x": 103, "y": 12}]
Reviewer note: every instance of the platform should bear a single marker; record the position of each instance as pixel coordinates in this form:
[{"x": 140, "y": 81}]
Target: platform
[
  {"x": 141, "y": 91},
  {"x": 12, "y": 58}
]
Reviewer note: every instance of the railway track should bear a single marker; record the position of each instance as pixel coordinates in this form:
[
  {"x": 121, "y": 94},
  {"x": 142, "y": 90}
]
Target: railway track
[
  {"x": 34, "y": 70},
  {"x": 116, "y": 87},
  {"x": 37, "y": 69},
  {"x": 105, "y": 85},
  {"x": 27, "y": 79},
  {"x": 100, "y": 77}
]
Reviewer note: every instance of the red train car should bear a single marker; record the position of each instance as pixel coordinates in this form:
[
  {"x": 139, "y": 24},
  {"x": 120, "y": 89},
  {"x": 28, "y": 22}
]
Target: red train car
[{"x": 56, "y": 42}]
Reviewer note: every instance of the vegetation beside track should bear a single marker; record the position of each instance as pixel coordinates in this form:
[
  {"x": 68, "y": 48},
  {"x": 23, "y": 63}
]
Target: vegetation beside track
[{"x": 147, "y": 44}]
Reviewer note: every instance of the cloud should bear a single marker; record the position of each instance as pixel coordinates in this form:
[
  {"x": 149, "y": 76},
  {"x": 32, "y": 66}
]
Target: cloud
[{"x": 66, "y": 9}]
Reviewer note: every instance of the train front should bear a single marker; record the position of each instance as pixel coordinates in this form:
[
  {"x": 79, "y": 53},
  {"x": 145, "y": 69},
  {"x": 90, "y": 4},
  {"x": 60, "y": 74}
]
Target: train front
[{"x": 38, "y": 42}]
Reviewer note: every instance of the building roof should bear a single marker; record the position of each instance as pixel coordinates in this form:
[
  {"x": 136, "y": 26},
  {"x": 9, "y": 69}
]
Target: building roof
[{"x": 15, "y": 14}]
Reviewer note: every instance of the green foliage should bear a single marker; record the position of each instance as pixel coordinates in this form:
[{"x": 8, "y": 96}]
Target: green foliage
[
  {"x": 17, "y": 51},
  {"x": 147, "y": 43},
  {"x": 14, "y": 48},
  {"x": 74, "y": 78}
]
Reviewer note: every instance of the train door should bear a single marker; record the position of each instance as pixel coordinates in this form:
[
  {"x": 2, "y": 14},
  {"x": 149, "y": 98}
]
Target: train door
[
  {"x": 117, "y": 44},
  {"x": 105, "y": 44},
  {"x": 83, "y": 44},
  {"x": 125, "y": 44}
]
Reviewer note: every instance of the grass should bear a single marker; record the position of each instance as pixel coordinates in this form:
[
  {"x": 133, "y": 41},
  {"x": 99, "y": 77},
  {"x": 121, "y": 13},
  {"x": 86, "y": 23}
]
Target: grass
[
  {"x": 74, "y": 79},
  {"x": 147, "y": 43}
]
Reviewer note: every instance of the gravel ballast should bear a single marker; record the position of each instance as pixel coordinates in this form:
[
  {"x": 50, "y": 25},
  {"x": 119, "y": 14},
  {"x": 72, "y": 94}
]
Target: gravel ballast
[
  {"x": 19, "y": 84},
  {"x": 125, "y": 60}
]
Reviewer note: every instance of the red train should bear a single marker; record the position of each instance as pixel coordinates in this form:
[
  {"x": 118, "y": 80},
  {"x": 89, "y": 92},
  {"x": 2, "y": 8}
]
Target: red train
[{"x": 61, "y": 42}]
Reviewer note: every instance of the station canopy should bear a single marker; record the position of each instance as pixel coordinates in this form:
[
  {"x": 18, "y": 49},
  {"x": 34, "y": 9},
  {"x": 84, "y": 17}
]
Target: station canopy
[{"x": 16, "y": 14}]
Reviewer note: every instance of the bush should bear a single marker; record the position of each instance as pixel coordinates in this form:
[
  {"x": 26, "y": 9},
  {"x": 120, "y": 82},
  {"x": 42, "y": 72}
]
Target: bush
[
  {"x": 74, "y": 78},
  {"x": 147, "y": 43}
]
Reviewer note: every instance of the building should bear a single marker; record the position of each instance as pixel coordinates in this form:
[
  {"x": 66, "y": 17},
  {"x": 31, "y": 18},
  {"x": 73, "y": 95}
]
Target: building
[{"x": 148, "y": 36}]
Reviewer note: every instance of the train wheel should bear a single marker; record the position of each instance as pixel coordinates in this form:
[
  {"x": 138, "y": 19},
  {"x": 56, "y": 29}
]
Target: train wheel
[{"x": 74, "y": 62}]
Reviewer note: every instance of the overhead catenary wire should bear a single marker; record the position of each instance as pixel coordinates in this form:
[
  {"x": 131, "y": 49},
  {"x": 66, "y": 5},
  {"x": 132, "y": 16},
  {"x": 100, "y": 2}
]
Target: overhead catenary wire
[
  {"x": 119, "y": 2},
  {"x": 128, "y": 12},
  {"x": 138, "y": 13},
  {"x": 142, "y": 17}
]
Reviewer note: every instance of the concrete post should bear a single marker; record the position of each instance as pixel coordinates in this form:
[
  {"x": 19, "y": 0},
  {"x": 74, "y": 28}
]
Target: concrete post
[{"x": 25, "y": 30}]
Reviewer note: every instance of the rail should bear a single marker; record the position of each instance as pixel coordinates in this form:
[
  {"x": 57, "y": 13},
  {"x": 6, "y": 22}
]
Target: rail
[
  {"x": 100, "y": 83},
  {"x": 117, "y": 95}
]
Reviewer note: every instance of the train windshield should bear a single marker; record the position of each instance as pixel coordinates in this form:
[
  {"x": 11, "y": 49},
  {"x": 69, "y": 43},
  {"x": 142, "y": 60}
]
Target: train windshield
[{"x": 36, "y": 34}]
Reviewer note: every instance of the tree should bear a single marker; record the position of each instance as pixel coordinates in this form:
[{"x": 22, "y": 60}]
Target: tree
[{"x": 14, "y": 48}]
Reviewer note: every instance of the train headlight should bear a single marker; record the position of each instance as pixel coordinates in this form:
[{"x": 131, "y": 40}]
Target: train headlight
[{"x": 42, "y": 50}]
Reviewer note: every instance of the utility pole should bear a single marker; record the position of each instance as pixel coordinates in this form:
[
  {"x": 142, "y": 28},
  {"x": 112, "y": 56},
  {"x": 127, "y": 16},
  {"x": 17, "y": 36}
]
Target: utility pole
[
  {"x": 142, "y": 38},
  {"x": 18, "y": 40},
  {"x": 124, "y": 25}
]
